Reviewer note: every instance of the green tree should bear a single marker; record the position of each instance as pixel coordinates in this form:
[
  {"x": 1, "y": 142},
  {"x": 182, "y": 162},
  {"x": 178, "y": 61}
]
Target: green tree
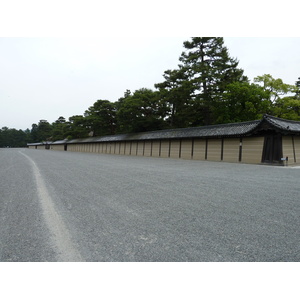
[
  {"x": 28, "y": 136},
  {"x": 192, "y": 92},
  {"x": 41, "y": 131},
  {"x": 77, "y": 127},
  {"x": 297, "y": 89},
  {"x": 34, "y": 133},
  {"x": 59, "y": 129},
  {"x": 140, "y": 112},
  {"x": 210, "y": 69},
  {"x": 175, "y": 97},
  {"x": 101, "y": 117},
  {"x": 241, "y": 102},
  {"x": 287, "y": 108},
  {"x": 283, "y": 107},
  {"x": 11, "y": 137},
  {"x": 275, "y": 87},
  {"x": 4, "y": 137},
  {"x": 127, "y": 94}
]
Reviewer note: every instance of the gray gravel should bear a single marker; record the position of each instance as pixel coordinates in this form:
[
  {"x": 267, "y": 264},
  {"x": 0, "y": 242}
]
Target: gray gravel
[{"x": 128, "y": 208}]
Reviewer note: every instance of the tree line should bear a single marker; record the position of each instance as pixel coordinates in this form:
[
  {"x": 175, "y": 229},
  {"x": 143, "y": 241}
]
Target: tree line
[{"x": 206, "y": 88}]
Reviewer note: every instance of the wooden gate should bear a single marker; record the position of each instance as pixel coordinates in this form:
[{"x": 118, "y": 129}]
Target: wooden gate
[{"x": 272, "y": 151}]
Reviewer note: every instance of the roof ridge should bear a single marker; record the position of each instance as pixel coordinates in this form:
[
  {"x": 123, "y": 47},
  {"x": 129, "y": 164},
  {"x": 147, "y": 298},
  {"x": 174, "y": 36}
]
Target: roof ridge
[
  {"x": 266, "y": 116},
  {"x": 198, "y": 127}
]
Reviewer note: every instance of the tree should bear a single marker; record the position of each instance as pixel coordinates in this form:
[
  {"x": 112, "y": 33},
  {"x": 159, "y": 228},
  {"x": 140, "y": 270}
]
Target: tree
[
  {"x": 101, "y": 118},
  {"x": 175, "y": 97},
  {"x": 59, "y": 129},
  {"x": 283, "y": 107},
  {"x": 77, "y": 127},
  {"x": 12, "y": 137},
  {"x": 210, "y": 69},
  {"x": 297, "y": 89},
  {"x": 140, "y": 112},
  {"x": 241, "y": 102},
  {"x": 287, "y": 108},
  {"x": 28, "y": 136},
  {"x": 41, "y": 131},
  {"x": 193, "y": 91},
  {"x": 275, "y": 87},
  {"x": 34, "y": 133}
]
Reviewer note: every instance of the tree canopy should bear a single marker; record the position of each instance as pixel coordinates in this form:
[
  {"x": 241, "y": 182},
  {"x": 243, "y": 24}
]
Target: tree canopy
[
  {"x": 141, "y": 111},
  {"x": 101, "y": 118},
  {"x": 195, "y": 89}
]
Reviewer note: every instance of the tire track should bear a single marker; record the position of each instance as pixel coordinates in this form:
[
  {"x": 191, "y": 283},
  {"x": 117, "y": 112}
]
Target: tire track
[{"x": 60, "y": 235}]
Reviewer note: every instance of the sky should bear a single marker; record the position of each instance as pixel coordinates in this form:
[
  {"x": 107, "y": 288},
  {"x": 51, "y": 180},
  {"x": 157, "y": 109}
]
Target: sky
[
  {"x": 45, "y": 77},
  {"x": 57, "y": 58}
]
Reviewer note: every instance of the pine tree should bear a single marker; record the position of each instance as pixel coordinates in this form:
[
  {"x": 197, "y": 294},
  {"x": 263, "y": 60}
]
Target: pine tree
[
  {"x": 209, "y": 68},
  {"x": 139, "y": 112},
  {"x": 101, "y": 118},
  {"x": 175, "y": 93},
  {"x": 297, "y": 90}
]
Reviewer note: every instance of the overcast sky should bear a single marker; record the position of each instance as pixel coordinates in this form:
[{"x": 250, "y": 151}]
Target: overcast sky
[
  {"x": 45, "y": 78},
  {"x": 58, "y": 57}
]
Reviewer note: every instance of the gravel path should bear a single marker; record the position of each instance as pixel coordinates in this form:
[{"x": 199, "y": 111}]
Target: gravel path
[{"x": 128, "y": 208}]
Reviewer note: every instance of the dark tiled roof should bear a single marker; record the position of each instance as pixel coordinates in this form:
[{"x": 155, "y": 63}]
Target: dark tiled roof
[
  {"x": 282, "y": 124},
  {"x": 59, "y": 142},
  {"x": 39, "y": 143},
  {"x": 222, "y": 130},
  {"x": 233, "y": 129},
  {"x": 85, "y": 140}
]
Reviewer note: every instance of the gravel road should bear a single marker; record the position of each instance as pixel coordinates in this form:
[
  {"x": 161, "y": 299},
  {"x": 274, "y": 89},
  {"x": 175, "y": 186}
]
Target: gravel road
[{"x": 66, "y": 206}]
